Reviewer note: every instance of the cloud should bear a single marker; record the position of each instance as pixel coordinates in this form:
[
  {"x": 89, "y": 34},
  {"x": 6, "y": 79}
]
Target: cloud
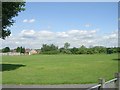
[
  {"x": 81, "y": 32},
  {"x": 111, "y": 36},
  {"x": 88, "y": 25},
  {"x": 27, "y": 33},
  {"x": 62, "y": 35},
  {"x": 45, "y": 33},
  {"x": 35, "y": 39},
  {"x": 29, "y": 20},
  {"x": 25, "y": 20}
]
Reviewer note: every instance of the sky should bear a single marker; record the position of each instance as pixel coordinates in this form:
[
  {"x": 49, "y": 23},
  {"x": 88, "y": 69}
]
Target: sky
[
  {"x": 72, "y": 0},
  {"x": 78, "y": 23}
]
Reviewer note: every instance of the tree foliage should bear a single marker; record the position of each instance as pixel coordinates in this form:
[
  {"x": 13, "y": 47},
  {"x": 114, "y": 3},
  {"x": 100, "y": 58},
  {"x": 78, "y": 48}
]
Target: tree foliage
[
  {"x": 66, "y": 49},
  {"x": 20, "y": 49},
  {"x": 66, "y": 45},
  {"x": 6, "y": 49},
  {"x": 82, "y": 50},
  {"x": 10, "y": 10},
  {"x": 49, "y": 49},
  {"x": 74, "y": 50},
  {"x": 52, "y": 49}
]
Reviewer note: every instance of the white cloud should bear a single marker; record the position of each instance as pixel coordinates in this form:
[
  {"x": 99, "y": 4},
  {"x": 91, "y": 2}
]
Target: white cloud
[
  {"x": 45, "y": 35},
  {"x": 62, "y": 34},
  {"x": 27, "y": 33},
  {"x": 29, "y": 20},
  {"x": 111, "y": 36},
  {"x": 88, "y": 25},
  {"x": 17, "y": 42},
  {"x": 81, "y": 32},
  {"x": 25, "y": 20},
  {"x": 74, "y": 31},
  {"x": 35, "y": 39}
]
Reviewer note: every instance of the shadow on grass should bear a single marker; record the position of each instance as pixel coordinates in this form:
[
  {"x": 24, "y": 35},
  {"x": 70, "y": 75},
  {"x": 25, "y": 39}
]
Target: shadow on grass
[
  {"x": 117, "y": 59},
  {"x": 9, "y": 67}
]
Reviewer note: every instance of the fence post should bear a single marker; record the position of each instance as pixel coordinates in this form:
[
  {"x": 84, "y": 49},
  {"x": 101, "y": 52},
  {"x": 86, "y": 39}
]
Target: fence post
[
  {"x": 102, "y": 82},
  {"x": 117, "y": 82}
]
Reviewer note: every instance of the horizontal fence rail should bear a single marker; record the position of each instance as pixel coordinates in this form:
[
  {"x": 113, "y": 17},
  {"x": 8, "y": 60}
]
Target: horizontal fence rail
[
  {"x": 113, "y": 80},
  {"x": 97, "y": 86},
  {"x": 102, "y": 83}
]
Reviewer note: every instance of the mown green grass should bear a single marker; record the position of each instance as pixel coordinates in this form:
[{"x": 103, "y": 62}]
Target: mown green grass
[{"x": 58, "y": 69}]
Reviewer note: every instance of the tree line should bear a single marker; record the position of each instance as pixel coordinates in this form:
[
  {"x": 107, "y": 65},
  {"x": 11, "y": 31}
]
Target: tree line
[
  {"x": 18, "y": 49},
  {"x": 53, "y": 49}
]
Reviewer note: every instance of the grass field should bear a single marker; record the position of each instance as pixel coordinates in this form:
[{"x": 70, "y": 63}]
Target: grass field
[{"x": 58, "y": 69}]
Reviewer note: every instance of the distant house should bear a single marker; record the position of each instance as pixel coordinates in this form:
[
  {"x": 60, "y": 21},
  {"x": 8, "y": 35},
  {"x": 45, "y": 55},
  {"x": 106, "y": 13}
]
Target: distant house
[
  {"x": 14, "y": 50},
  {"x": 33, "y": 51},
  {"x": 27, "y": 51},
  {"x": 38, "y": 51}
]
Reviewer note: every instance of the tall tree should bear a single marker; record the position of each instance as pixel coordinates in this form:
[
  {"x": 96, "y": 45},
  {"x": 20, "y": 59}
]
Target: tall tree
[
  {"x": 82, "y": 50},
  {"x": 66, "y": 45},
  {"x": 66, "y": 48},
  {"x": 9, "y": 10},
  {"x": 22, "y": 50},
  {"x": 18, "y": 49}
]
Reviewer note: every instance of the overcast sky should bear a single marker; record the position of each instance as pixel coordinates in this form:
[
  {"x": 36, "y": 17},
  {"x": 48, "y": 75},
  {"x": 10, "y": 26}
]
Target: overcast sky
[{"x": 88, "y": 24}]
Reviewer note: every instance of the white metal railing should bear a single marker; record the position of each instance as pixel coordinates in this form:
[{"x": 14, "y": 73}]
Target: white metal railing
[
  {"x": 113, "y": 80},
  {"x": 97, "y": 86},
  {"x": 102, "y": 83}
]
